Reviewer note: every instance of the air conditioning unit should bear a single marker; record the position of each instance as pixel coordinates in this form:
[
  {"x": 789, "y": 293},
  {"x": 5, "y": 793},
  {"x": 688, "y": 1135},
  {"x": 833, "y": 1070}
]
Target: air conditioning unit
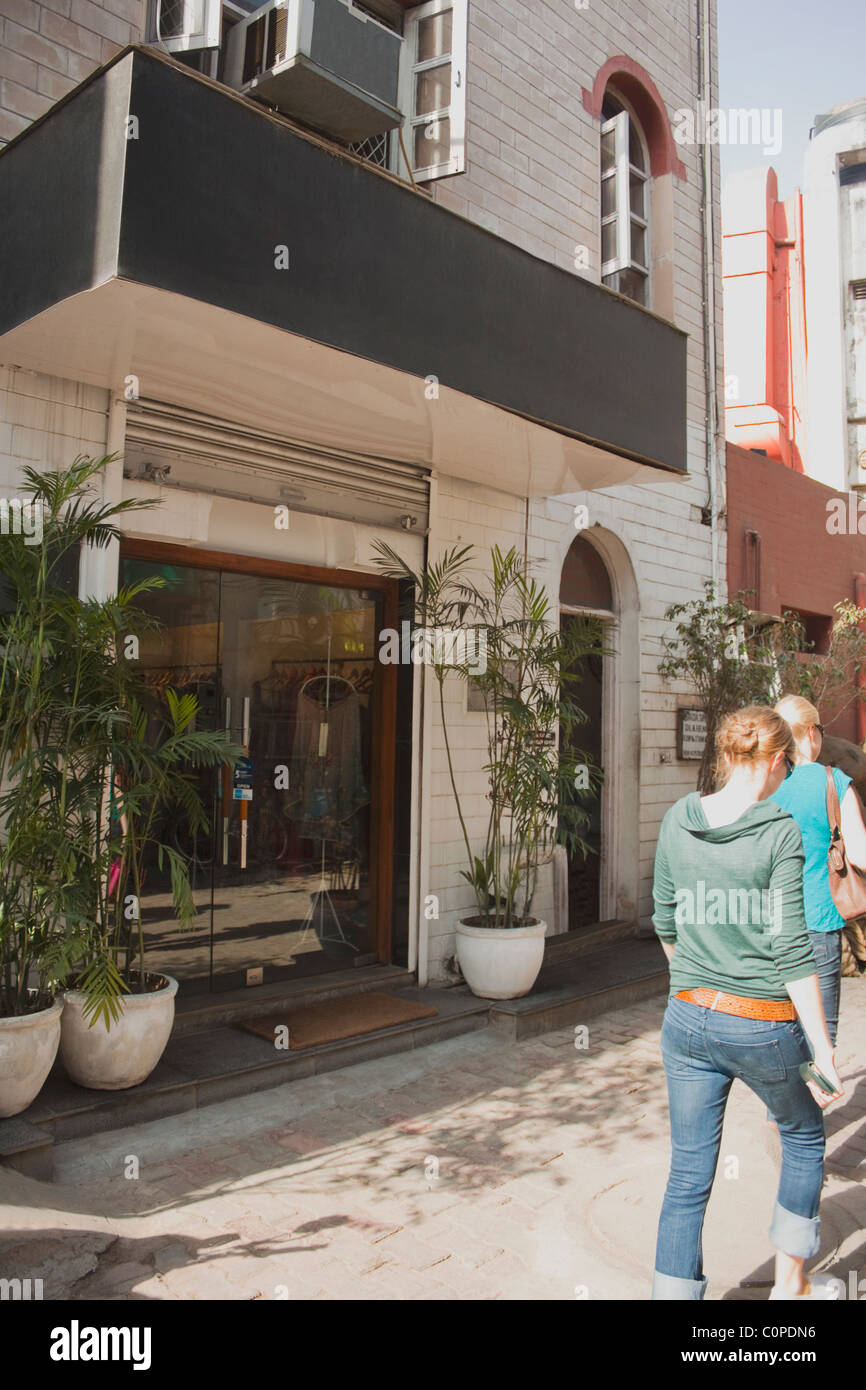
[{"x": 322, "y": 61}]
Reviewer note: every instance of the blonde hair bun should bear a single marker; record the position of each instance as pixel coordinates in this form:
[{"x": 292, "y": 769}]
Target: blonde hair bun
[{"x": 751, "y": 735}]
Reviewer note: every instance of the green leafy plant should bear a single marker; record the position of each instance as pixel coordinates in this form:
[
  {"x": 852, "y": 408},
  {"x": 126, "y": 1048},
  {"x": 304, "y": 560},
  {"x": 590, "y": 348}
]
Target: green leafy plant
[
  {"x": 526, "y": 681},
  {"x": 828, "y": 679},
  {"x": 154, "y": 754},
  {"x": 731, "y": 657},
  {"x": 86, "y": 776},
  {"x": 41, "y": 852}
]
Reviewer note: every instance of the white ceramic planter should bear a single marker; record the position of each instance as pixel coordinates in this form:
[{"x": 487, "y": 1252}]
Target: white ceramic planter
[
  {"x": 126, "y": 1053},
  {"x": 28, "y": 1046},
  {"x": 500, "y": 962}
]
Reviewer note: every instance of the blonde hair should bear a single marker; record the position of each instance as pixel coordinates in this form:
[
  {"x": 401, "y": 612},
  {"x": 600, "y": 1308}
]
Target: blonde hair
[
  {"x": 799, "y": 713},
  {"x": 751, "y": 735}
]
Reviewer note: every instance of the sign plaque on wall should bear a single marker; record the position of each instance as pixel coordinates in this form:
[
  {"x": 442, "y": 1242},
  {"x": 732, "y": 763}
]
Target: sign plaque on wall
[{"x": 691, "y": 734}]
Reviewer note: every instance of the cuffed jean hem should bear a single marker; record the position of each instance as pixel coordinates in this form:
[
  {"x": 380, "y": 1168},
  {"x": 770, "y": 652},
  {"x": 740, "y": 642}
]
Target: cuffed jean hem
[
  {"x": 797, "y": 1236},
  {"x": 668, "y": 1286}
]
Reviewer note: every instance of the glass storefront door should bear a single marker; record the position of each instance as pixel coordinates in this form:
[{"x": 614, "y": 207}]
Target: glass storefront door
[{"x": 286, "y": 879}]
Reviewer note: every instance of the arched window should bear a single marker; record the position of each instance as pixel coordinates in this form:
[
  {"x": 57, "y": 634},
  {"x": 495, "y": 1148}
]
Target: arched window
[
  {"x": 625, "y": 199},
  {"x": 585, "y": 584}
]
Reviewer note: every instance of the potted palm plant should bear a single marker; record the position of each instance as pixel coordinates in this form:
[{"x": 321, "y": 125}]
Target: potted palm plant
[
  {"x": 119, "y": 1016},
  {"x": 97, "y": 776},
  {"x": 525, "y": 679},
  {"x": 41, "y": 852},
  {"x": 34, "y": 952}
]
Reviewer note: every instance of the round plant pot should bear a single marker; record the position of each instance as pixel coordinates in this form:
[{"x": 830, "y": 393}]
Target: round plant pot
[
  {"x": 111, "y": 1059},
  {"x": 28, "y": 1046},
  {"x": 500, "y": 962}
]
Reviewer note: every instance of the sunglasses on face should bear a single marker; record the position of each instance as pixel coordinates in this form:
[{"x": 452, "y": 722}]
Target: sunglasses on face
[
  {"x": 820, "y": 728},
  {"x": 789, "y": 766}
]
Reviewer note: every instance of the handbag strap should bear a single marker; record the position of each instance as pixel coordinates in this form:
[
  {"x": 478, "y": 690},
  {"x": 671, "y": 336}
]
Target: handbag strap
[{"x": 834, "y": 813}]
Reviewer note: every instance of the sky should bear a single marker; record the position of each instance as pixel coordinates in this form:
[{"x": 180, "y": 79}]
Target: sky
[{"x": 799, "y": 57}]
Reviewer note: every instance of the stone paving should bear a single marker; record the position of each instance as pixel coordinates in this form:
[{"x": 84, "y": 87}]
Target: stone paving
[{"x": 469, "y": 1169}]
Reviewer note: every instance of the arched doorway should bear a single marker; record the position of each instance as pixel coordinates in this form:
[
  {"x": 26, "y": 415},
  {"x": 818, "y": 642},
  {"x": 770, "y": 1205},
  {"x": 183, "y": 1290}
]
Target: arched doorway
[{"x": 585, "y": 593}]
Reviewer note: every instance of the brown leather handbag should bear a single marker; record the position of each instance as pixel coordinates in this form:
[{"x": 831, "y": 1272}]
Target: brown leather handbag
[
  {"x": 853, "y": 949},
  {"x": 847, "y": 883}
]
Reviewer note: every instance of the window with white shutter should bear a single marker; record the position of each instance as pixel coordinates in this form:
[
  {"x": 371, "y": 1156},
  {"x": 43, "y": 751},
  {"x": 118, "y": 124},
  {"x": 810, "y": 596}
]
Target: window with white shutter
[
  {"x": 433, "y": 93},
  {"x": 624, "y": 204}
]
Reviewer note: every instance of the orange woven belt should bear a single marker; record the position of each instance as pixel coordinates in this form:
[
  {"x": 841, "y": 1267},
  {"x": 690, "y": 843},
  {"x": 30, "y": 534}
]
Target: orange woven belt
[{"x": 773, "y": 1009}]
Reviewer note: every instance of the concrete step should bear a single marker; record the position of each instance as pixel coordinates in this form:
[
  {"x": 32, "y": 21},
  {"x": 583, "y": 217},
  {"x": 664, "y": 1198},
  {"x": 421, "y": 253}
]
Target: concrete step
[
  {"x": 576, "y": 989},
  {"x": 26, "y": 1147},
  {"x": 201, "y": 1011},
  {"x": 583, "y": 941}
]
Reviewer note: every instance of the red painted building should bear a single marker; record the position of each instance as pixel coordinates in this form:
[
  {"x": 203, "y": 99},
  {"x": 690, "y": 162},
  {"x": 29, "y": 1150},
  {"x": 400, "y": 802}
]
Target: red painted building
[
  {"x": 792, "y": 540},
  {"x": 763, "y": 270}
]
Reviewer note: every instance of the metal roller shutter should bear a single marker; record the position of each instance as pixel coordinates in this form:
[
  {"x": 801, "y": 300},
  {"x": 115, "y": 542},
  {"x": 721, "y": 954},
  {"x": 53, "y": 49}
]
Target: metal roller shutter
[{"x": 205, "y": 454}]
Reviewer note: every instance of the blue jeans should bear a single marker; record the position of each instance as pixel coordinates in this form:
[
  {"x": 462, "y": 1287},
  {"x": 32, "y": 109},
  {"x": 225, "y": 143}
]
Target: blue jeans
[
  {"x": 703, "y": 1051},
  {"x": 827, "y": 950}
]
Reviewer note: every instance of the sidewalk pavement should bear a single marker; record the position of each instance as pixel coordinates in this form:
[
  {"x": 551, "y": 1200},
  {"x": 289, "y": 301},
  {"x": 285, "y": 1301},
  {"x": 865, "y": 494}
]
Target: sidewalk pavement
[{"x": 470, "y": 1169}]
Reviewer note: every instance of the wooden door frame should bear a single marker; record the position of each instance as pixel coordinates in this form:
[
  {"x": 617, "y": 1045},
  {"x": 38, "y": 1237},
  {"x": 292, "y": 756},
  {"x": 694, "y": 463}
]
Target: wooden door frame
[{"x": 382, "y": 751}]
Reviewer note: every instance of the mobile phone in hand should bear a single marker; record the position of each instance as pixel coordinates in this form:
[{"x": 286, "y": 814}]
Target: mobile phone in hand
[{"x": 810, "y": 1072}]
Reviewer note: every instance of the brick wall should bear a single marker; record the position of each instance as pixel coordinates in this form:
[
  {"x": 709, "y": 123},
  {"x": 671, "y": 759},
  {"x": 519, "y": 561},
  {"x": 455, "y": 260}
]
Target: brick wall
[
  {"x": 531, "y": 147},
  {"x": 47, "y": 48},
  {"x": 45, "y": 422}
]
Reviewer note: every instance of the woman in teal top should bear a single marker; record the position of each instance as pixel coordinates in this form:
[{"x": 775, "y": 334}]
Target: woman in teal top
[
  {"x": 745, "y": 1002},
  {"x": 804, "y": 796}
]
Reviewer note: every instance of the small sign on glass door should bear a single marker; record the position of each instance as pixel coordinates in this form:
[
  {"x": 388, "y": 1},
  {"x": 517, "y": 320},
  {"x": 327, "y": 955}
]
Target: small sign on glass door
[{"x": 242, "y": 780}]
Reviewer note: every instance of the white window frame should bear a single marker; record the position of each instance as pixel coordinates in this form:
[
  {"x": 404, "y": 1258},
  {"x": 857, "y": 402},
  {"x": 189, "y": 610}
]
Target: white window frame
[
  {"x": 622, "y": 215},
  {"x": 456, "y": 109},
  {"x": 227, "y": 10},
  {"x": 191, "y": 38}
]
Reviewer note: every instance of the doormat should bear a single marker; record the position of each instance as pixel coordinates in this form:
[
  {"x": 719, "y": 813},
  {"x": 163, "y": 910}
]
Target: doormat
[{"x": 335, "y": 1019}]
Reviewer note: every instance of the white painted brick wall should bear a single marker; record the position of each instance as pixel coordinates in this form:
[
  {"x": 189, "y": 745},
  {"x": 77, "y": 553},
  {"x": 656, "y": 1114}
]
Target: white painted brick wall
[
  {"x": 669, "y": 549},
  {"x": 46, "y": 422},
  {"x": 48, "y": 46}
]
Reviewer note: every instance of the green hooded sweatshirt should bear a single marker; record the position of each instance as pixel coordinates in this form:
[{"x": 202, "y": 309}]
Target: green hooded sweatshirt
[{"x": 732, "y": 900}]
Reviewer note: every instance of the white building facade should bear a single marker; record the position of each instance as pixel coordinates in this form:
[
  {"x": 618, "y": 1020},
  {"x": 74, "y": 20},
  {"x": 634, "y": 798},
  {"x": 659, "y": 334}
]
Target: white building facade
[
  {"x": 834, "y": 202},
  {"x": 563, "y": 354}
]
